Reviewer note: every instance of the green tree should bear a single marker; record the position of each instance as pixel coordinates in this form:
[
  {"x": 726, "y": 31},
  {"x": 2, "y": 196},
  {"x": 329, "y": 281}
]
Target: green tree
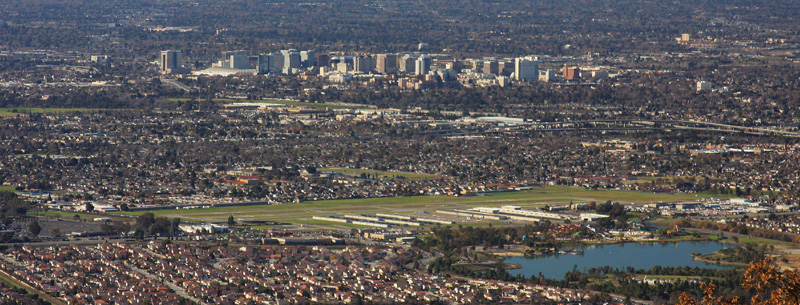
[
  {"x": 770, "y": 285},
  {"x": 35, "y": 228},
  {"x": 139, "y": 234},
  {"x": 145, "y": 220},
  {"x": 231, "y": 221},
  {"x": 175, "y": 224}
]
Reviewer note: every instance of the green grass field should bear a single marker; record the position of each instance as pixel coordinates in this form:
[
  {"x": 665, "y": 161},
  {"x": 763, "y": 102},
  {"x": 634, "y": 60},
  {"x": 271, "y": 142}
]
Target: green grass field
[
  {"x": 10, "y": 282},
  {"x": 8, "y": 188},
  {"x": 380, "y": 174},
  {"x": 301, "y": 213},
  {"x": 320, "y": 106},
  {"x": 761, "y": 241}
]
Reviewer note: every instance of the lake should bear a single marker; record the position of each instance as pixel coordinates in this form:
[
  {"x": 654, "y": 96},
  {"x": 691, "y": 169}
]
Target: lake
[{"x": 637, "y": 255}]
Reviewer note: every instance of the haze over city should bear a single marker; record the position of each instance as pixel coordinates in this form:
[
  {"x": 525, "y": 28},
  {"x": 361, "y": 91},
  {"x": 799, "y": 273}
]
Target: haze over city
[{"x": 410, "y": 152}]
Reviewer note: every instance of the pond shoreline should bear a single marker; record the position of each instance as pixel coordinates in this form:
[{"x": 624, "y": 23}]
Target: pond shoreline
[{"x": 638, "y": 255}]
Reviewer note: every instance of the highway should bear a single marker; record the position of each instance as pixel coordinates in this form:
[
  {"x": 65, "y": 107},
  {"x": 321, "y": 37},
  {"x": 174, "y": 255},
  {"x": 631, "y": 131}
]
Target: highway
[{"x": 632, "y": 125}]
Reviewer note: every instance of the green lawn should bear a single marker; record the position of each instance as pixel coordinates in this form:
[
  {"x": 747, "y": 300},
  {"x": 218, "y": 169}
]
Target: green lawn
[
  {"x": 761, "y": 241},
  {"x": 378, "y": 173},
  {"x": 321, "y": 106},
  {"x": 9, "y": 188},
  {"x": 301, "y": 213},
  {"x": 11, "y": 282}
]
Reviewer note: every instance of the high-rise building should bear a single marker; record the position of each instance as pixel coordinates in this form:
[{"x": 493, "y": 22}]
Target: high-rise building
[
  {"x": 264, "y": 61},
  {"x": 99, "y": 58},
  {"x": 600, "y": 74},
  {"x": 407, "y": 63},
  {"x": 502, "y": 81},
  {"x": 571, "y": 73},
  {"x": 422, "y": 65},
  {"x": 342, "y": 66},
  {"x": 276, "y": 62},
  {"x": 291, "y": 59},
  {"x": 238, "y": 61},
  {"x": 547, "y": 75},
  {"x": 308, "y": 59},
  {"x": 362, "y": 64},
  {"x": 170, "y": 61},
  {"x": 386, "y": 63},
  {"x": 504, "y": 68},
  {"x": 323, "y": 60},
  {"x": 491, "y": 67},
  {"x": 526, "y": 68},
  {"x": 704, "y": 86}
]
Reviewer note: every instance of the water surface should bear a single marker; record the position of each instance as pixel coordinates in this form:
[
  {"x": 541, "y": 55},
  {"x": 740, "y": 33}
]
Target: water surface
[{"x": 636, "y": 255}]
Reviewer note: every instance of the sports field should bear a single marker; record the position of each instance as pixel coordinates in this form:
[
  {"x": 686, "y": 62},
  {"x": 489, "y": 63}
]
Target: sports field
[{"x": 301, "y": 213}]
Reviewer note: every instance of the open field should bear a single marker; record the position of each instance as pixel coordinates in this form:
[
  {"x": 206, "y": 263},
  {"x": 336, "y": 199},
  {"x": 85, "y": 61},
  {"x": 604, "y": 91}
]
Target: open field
[
  {"x": 321, "y": 106},
  {"x": 8, "y": 188},
  {"x": 378, "y": 173},
  {"x": 761, "y": 241},
  {"x": 301, "y": 213},
  {"x": 14, "y": 111}
]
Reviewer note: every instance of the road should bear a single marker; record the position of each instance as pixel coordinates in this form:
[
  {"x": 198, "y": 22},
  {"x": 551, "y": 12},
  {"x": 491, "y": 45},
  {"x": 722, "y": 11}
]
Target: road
[
  {"x": 79, "y": 241},
  {"x": 169, "y": 284},
  {"x": 176, "y": 84},
  {"x": 615, "y": 125}
]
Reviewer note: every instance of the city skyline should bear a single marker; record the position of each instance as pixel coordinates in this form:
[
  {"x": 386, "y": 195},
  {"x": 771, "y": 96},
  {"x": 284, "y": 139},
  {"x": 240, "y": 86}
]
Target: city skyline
[{"x": 435, "y": 152}]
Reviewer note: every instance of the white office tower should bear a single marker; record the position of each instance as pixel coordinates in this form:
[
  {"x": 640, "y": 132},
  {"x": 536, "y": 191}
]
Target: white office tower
[
  {"x": 704, "y": 86},
  {"x": 342, "y": 66},
  {"x": 264, "y": 63},
  {"x": 407, "y": 63},
  {"x": 548, "y": 75},
  {"x": 291, "y": 59},
  {"x": 308, "y": 59},
  {"x": 276, "y": 62},
  {"x": 448, "y": 75},
  {"x": 170, "y": 60},
  {"x": 423, "y": 65},
  {"x": 239, "y": 61},
  {"x": 526, "y": 68}
]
